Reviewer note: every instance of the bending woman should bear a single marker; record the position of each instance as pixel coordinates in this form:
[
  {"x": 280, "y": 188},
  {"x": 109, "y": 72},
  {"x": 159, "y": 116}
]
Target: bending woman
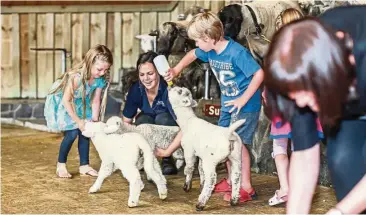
[
  {"x": 149, "y": 94},
  {"x": 312, "y": 66}
]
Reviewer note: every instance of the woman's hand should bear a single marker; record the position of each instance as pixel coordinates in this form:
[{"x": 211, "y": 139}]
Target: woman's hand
[{"x": 161, "y": 153}]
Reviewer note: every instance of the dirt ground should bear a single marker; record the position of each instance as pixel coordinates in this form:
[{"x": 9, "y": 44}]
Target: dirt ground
[{"x": 29, "y": 185}]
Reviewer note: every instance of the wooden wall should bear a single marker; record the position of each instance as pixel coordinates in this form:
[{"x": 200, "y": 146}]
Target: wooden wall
[{"x": 29, "y": 74}]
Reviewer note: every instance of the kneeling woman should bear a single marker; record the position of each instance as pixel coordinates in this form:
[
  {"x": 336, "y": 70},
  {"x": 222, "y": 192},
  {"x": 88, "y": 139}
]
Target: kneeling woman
[{"x": 148, "y": 92}]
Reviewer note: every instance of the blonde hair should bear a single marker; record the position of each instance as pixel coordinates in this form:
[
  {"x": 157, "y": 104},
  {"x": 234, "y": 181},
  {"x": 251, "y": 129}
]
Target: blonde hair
[
  {"x": 98, "y": 52},
  {"x": 205, "y": 24},
  {"x": 287, "y": 16}
]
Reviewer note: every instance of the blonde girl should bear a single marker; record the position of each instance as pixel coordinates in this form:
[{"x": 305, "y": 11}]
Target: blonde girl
[{"x": 70, "y": 103}]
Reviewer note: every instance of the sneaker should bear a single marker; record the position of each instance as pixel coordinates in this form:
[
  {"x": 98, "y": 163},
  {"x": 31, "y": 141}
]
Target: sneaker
[
  {"x": 222, "y": 186},
  {"x": 244, "y": 196},
  {"x": 168, "y": 167}
]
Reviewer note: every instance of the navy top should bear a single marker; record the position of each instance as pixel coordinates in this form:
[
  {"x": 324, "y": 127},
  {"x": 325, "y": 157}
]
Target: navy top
[
  {"x": 137, "y": 99},
  {"x": 304, "y": 128}
]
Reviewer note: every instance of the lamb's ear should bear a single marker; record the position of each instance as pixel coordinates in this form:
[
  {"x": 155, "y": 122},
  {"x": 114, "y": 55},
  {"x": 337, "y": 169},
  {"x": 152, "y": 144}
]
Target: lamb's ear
[
  {"x": 110, "y": 129},
  {"x": 194, "y": 103}
]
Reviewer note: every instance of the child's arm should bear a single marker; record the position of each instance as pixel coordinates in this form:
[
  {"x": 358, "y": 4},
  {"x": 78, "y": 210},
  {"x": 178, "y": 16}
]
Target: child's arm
[
  {"x": 96, "y": 104},
  {"x": 249, "y": 92},
  {"x": 187, "y": 59},
  {"x": 67, "y": 101}
]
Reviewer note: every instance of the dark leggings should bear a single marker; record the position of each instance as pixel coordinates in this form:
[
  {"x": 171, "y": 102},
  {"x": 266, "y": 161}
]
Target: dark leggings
[
  {"x": 160, "y": 119},
  {"x": 83, "y": 146},
  {"x": 347, "y": 156}
]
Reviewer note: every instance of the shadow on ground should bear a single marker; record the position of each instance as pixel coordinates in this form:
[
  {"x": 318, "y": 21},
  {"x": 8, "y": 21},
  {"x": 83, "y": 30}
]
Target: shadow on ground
[{"x": 29, "y": 184}]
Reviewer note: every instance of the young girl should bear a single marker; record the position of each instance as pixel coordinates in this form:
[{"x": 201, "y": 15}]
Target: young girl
[
  {"x": 70, "y": 103},
  {"x": 280, "y": 133}
]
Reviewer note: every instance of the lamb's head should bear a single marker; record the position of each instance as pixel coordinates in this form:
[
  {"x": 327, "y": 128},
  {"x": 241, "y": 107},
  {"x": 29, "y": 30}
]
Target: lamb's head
[
  {"x": 93, "y": 128},
  {"x": 192, "y": 11},
  {"x": 231, "y": 18},
  {"x": 113, "y": 124},
  {"x": 173, "y": 38},
  {"x": 147, "y": 42},
  {"x": 181, "y": 97}
]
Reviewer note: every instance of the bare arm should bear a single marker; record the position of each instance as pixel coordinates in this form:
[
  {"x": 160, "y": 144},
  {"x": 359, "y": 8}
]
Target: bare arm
[
  {"x": 127, "y": 120},
  {"x": 253, "y": 86},
  {"x": 249, "y": 92},
  {"x": 68, "y": 102},
  {"x": 355, "y": 201},
  {"x": 303, "y": 178},
  {"x": 96, "y": 104},
  {"x": 171, "y": 148},
  {"x": 187, "y": 59}
]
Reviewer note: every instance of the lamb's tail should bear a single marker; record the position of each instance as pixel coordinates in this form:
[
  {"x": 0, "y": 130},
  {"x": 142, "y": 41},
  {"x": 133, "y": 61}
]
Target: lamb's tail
[{"x": 235, "y": 125}]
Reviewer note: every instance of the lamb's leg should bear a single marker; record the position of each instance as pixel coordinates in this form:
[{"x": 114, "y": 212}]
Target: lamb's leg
[
  {"x": 106, "y": 169},
  {"x": 190, "y": 159},
  {"x": 235, "y": 160},
  {"x": 158, "y": 178},
  {"x": 202, "y": 174},
  {"x": 179, "y": 157},
  {"x": 210, "y": 181},
  {"x": 133, "y": 177}
]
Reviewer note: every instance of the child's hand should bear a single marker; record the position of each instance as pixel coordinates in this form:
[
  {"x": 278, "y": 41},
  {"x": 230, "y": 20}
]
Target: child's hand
[
  {"x": 236, "y": 103},
  {"x": 170, "y": 74},
  {"x": 81, "y": 125}
]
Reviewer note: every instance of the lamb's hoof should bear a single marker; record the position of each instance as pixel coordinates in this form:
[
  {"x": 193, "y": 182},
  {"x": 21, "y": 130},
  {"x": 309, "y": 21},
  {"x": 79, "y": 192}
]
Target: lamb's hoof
[
  {"x": 187, "y": 186},
  {"x": 163, "y": 196},
  {"x": 234, "y": 202},
  {"x": 199, "y": 207},
  {"x": 142, "y": 186},
  {"x": 132, "y": 204},
  {"x": 93, "y": 190}
]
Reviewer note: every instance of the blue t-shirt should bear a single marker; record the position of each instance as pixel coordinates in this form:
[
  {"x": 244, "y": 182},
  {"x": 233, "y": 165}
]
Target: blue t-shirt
[
  {"x": 234, "y": 68},
  {"x": 137, "y": 99}
]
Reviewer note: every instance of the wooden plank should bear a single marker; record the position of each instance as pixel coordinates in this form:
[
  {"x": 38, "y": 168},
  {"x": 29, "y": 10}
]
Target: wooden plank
[
  {"x": 24, "y": 54},
  {"x": 85, "y": 33},
  {"x": 207, "y": 4},
  {"x": 98, "y": 29},
  {"x": 77, "y": 38},
  {"x": 45, "y": 63},
  {"x": 227, "y": 2},
  {"x": 10, "y": 80},
  {"x": 62, "y": 40},
  {"x": 177, "y": 10},
  {"x": 163, "y": 17},
  {"x": 188, "y": 4},
  {"x": 136, "y": 49},
  {"x": 127, "y": 41},
  {"x": 32, "y": 42},
  {"x": 117, "y": 52},
  {"x": 148, "y": 22},
  {"x": 217, "y": 5},
  {"x": 110, "y": 41},
  {"x": 92, "y": 8}
]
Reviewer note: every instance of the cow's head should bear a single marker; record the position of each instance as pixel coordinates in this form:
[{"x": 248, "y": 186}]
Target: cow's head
[{"x": 231, "y": 17}]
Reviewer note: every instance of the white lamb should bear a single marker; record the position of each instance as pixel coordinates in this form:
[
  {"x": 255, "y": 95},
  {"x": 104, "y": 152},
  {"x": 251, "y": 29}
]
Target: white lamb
[
  {"x": 156, "y": 135},
  {"x": 121, "y": 152},
  {"x": 211, "y": 143}
]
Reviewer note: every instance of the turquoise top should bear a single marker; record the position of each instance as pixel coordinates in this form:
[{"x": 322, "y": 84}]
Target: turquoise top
[{"x": 55, "y": 112}]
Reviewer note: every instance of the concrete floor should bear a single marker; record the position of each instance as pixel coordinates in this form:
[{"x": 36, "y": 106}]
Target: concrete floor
[{"x": 29, "y": 184}]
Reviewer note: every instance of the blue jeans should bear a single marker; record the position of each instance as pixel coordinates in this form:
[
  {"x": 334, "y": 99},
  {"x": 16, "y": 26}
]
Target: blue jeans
[{"x": 83, "y": 146}]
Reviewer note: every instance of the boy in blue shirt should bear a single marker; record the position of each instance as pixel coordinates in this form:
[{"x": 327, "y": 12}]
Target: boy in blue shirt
[{"x": 239, "y": 77}]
